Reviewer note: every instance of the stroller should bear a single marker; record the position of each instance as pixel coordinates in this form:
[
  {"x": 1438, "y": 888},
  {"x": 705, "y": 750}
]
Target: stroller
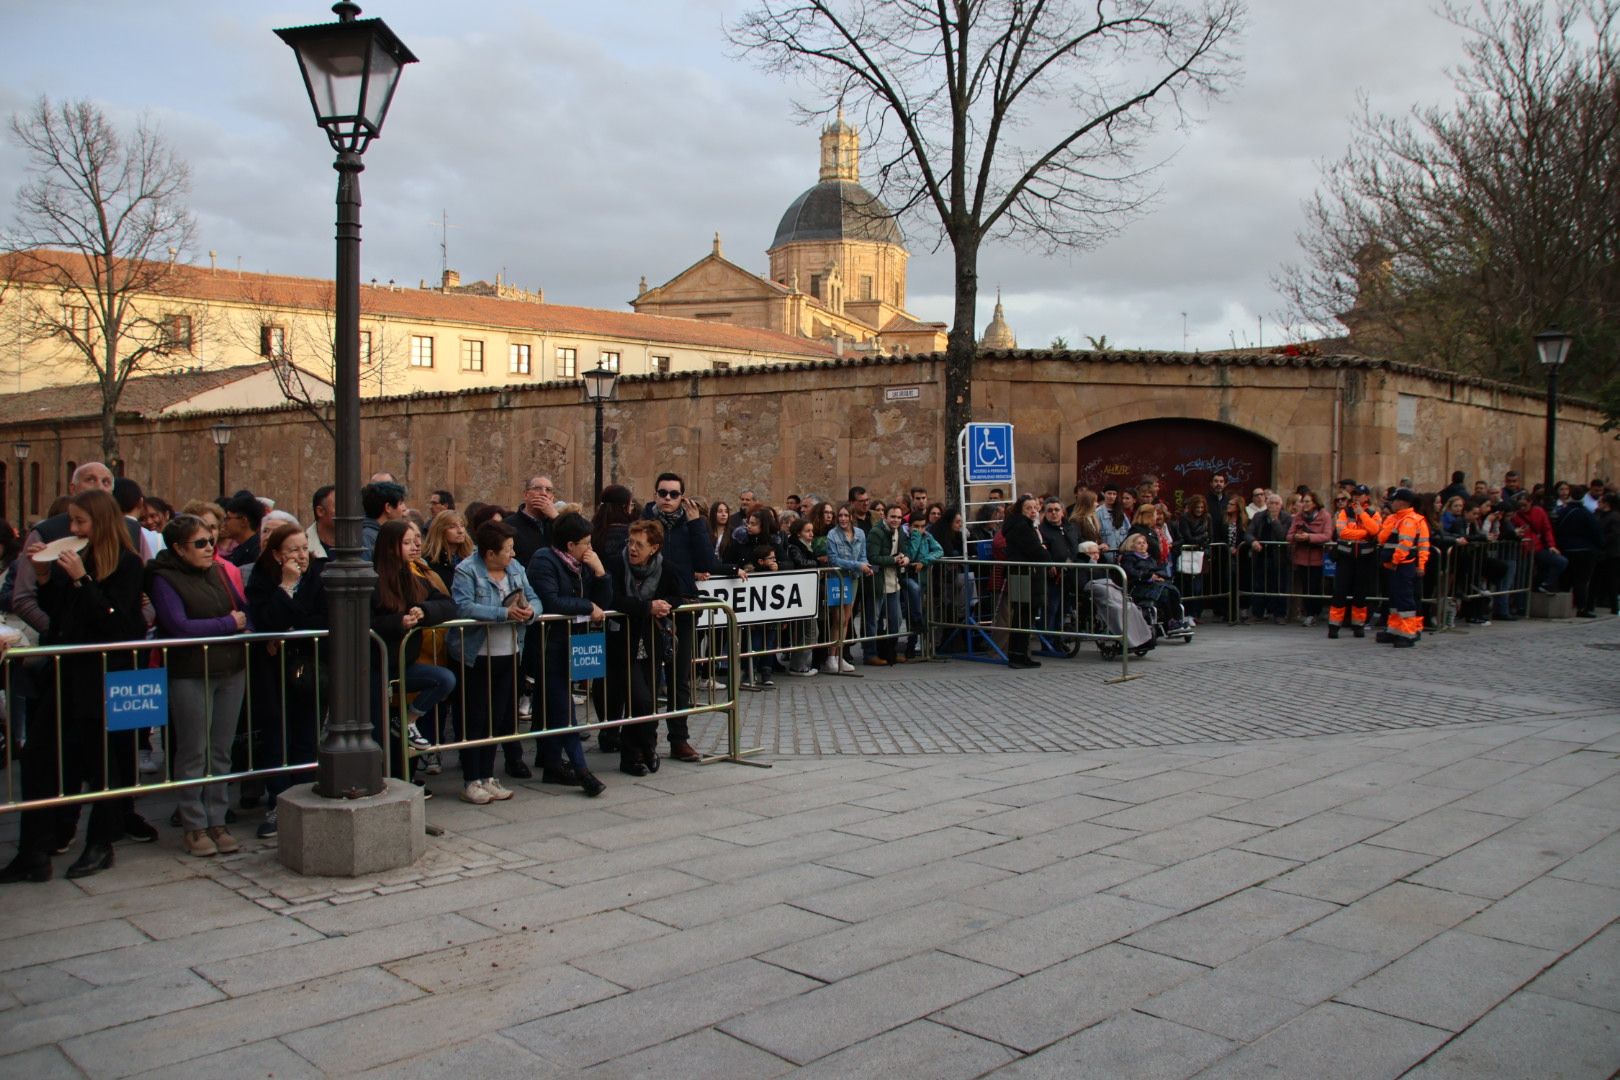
[{"x": 1112, "y": 609}]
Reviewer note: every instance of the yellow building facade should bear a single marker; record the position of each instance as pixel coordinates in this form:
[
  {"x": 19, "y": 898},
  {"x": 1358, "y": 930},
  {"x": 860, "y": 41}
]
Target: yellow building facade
[{"x": 427, "y": 339}]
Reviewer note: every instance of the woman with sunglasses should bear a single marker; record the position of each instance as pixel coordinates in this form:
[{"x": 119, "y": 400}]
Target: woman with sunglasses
[
  {"x": 92, "y": 597},
  {"x": 194, "y": 597}
]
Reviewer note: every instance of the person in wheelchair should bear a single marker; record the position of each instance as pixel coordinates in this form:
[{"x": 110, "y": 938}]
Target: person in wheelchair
[{"x": 1148, "y": 585}]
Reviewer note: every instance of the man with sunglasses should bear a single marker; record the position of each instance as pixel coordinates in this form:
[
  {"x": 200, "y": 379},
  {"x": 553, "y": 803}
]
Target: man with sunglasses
[{"x": 689, "y": 552}]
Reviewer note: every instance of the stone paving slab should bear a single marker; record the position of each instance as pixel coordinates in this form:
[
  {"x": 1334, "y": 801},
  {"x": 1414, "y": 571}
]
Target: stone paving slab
[{"x": 1106, "y": 881}]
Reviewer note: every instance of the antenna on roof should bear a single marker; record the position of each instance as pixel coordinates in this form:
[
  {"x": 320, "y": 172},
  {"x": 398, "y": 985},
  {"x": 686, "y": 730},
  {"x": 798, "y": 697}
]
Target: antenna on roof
[{"x": 444, "y": 241}]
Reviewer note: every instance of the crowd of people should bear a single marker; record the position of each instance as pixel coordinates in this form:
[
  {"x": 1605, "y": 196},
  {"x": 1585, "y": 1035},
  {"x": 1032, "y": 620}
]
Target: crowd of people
[{"x": 110, "y": 565}]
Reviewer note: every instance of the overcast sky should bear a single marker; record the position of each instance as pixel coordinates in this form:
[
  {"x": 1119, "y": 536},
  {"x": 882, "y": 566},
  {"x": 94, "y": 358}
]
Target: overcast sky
[{"x": 575, "y": 147}]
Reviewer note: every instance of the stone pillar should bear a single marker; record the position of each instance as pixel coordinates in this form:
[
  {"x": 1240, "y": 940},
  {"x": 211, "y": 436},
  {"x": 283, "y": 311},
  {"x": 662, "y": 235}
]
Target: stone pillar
[{"x": 323, "y": 837}]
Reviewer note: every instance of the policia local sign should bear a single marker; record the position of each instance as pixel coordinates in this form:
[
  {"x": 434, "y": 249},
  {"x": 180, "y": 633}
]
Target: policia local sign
[{"x": 765, "y": 598}]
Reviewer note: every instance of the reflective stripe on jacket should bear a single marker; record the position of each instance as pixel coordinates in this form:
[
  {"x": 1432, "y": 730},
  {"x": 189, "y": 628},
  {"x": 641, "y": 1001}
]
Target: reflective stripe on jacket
[
  {"x": 1405, "y": 536},
  {"x": 1361, "y": 526}
]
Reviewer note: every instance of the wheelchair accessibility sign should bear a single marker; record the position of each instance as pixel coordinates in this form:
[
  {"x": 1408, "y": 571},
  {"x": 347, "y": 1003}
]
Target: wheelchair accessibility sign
[{"x": 989, "y": 454}]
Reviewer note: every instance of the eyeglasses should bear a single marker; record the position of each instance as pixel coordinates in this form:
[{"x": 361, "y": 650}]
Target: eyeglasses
[
  {"x": 664, "y": 493},
  {"x": 539, "y": 487},
  {"x": 200, "y": 543}
]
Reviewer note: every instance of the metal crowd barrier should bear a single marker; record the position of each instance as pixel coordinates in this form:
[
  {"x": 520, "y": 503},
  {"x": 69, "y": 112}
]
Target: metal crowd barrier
[
  {"x": 715, "y": 623},
  {"x": 1269, "y": 578},
  {"x": 979, "y": 600},
  {"x": 30, "y": 671}
]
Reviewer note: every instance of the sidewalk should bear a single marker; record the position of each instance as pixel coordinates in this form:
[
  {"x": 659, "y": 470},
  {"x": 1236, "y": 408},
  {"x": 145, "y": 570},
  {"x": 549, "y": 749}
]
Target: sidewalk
[{"x": 1271, "y": 856}]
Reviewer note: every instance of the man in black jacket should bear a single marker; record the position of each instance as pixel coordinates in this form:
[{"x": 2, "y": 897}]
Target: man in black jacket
[
  {"x": 689, "y": 552},
  {"x": 532, "y": 521}
]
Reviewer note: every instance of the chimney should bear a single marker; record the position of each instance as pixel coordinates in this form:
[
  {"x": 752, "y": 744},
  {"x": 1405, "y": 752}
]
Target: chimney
[
  {"x": 451, "y": 280},
  {"x": 213, "y": 260}
]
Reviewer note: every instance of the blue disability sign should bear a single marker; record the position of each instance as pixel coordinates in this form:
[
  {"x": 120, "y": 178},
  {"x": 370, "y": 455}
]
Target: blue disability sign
[
  {"x": 989, "y": 454},
  {"x": 137, "y": 699}
]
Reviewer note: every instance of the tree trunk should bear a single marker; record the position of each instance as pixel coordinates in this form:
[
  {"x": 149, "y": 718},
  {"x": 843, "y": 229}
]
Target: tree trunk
[
  {"x": 109, "y": 435},
  {"x": 960, "y": 348}
]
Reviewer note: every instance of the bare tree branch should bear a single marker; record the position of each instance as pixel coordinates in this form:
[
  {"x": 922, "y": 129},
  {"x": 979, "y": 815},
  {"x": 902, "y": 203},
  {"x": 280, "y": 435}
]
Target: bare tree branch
[
  {"x": 99, "y": 223},
  {"x": 1000, "y": 119}
]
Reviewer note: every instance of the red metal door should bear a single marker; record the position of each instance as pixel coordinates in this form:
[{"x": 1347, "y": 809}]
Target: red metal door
[{"x": 1183, "y": 454}]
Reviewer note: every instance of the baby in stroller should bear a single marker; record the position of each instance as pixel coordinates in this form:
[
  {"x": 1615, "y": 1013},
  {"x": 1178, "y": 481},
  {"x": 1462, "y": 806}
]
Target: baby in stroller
[{"x": 1148, "y": 586}]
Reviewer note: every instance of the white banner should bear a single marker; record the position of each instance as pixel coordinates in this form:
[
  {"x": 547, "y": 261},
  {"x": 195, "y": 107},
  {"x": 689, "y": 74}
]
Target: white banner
[{"x": 765, "y": 598}]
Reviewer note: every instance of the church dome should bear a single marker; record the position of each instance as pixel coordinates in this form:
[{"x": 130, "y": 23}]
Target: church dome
[
  {"x": 838, "y": 210},
  {"x": 998, "y": 335}
]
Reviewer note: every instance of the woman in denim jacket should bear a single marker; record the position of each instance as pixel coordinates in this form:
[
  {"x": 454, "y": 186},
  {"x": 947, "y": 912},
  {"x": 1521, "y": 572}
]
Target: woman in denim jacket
[
  {"x": 846, "y": 549},
  {"x": 487, "y": 589}
]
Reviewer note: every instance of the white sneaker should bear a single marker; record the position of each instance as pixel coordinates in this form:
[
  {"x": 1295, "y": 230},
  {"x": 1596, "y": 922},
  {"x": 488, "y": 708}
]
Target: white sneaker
[
  {"x": 476, "y": 793},
  {"x": 150, "y": 763},
  {"x": 830, "y": 666},
  {"x": 526, "y": 707},
  {"x": 418, "y": 740},
  {"x": 496, "y": 790},
  {"x": 1309, "y": 620},
  {"x": 845, "y": 667}
]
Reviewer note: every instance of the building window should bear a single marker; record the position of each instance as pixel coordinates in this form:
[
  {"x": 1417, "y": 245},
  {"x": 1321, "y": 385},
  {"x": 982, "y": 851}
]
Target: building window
[
  {"x": 722, "y": 365},
  {"x": 660, "y": 365},
  {"x": 517, "y": 360},
  {"x": 421, "y": 351},
  {"x": 567, "y": 362},
  {"x": 866, "y": 287},
  {"x": 1406, "y": 414},
  {"x": 273, "y": 342},
  {"x": 177, "y": 332},
  {"x": 76, "y": 320},
  {"x": 365, "y": 348},
  {"x": 610, "y": 360},
  {"x": 815, "y": 286},
  {"x": 472, "y": 356}
]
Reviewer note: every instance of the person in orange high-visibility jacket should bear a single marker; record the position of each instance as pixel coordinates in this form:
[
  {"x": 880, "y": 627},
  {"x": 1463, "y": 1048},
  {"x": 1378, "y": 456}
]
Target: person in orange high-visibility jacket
[
  {"x": 1355, "y": 558},
  {"x": 1404, "y": 536}
]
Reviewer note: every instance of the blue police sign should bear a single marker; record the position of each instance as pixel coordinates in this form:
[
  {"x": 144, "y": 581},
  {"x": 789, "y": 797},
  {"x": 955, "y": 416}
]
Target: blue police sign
[
  {"x": 989, "y": 454},
  {"x": 587, "y": 656},
  {"x": 137, "y": 699}
]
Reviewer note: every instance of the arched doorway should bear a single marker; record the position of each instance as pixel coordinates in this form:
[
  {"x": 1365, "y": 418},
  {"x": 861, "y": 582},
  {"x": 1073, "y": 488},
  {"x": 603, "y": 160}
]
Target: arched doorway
[{"x": 1182, "y": 453}]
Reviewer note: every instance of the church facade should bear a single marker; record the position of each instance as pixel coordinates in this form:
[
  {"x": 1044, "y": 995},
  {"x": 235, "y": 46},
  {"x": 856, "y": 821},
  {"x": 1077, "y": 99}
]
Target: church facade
[{"x": 837, "y": 269}]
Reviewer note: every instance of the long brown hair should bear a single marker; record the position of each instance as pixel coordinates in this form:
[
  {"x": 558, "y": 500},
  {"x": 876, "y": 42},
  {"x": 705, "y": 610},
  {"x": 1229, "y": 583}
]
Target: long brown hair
[
  {"x": 399, "y": 587},
  {"x": 109, "y": 538},
  {"x": 437, "y": 545},
  {"x": 267, "y": 563}
]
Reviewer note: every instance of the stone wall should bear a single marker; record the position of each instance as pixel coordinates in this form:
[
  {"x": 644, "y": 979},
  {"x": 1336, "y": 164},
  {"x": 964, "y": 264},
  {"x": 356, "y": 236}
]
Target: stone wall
[{"x": 820, "y": 428}]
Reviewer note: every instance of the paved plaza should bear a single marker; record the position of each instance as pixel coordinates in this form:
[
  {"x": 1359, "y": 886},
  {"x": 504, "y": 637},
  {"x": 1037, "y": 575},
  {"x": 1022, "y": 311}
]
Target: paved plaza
[{"x": 1271, "y": 856}]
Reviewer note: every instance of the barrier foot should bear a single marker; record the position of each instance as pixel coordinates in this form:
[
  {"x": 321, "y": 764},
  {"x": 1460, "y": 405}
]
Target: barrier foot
[
  {"x": 1121, "y": 678},
  {"x": 433, "y": 830},
  {"x": 739, "y": 758}
]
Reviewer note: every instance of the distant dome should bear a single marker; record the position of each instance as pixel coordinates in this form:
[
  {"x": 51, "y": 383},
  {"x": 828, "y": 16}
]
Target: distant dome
[
  {"x": 838, "y": 210},
  {"x": 998, "y": 335}
]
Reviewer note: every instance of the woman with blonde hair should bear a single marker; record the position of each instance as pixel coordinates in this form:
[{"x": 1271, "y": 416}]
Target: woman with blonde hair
[{"x": 447, "y": 544}]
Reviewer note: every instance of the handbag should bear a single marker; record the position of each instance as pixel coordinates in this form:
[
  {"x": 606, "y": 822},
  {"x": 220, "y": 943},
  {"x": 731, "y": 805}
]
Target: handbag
[{"x": 1190, "y": 563}]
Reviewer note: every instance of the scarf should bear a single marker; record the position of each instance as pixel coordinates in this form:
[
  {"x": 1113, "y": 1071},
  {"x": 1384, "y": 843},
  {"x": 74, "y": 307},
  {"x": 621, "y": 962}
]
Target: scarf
[
  {"x": 641, "y": 582},
  {"x": 670, "y": 521}
]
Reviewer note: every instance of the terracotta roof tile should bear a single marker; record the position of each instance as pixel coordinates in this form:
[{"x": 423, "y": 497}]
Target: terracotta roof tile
[
  {"x": 143, "y": 395},
  {"x": 274, "y": 290}
]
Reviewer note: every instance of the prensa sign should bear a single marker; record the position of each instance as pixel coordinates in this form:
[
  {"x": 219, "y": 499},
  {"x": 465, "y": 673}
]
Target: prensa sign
[{"x": 764, "y": 598}]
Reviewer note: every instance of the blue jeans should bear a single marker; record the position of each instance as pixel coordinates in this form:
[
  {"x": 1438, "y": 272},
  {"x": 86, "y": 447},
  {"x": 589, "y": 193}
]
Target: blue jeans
[
  {"x": 889, "y": 607},
  {"x": 431, "y": 684},
  {"x": 1551, "y": 567}
]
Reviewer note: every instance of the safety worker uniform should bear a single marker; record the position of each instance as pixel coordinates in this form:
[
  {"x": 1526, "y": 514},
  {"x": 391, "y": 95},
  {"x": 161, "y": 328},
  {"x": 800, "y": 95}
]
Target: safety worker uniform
[
  {"x": 1404, "y": 536},
  {"x": 1355, "y": 560}
]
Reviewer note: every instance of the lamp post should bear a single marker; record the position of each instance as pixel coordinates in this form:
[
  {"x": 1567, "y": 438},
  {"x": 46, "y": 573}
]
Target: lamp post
[
  {"x": 350, "y": 68},
  {"x": 21, "y": 450},
  {"x": 599, "y": 383},
  {"x": 221, "y": 434},
  {"x": 1552, "y": 347}
]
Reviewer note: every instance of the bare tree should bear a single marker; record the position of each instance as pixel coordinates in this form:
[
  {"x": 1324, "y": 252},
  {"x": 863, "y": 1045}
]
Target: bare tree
[
  {"x": 1000, "y": 119},
  {"x": 300, "y": 346},
  {"x": 1451, "y": 236},
  {"x": 99, "y": 223}
]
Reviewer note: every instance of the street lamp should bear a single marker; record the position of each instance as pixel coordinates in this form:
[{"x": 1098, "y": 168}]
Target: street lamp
[
  {"x": 350, "y": 70},
  {"x": 21, "y": 450},
  {"x": 1552, "y": 346},
  {"x": 221, "y": 434},
  {"x": 599, "y": 383}
]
